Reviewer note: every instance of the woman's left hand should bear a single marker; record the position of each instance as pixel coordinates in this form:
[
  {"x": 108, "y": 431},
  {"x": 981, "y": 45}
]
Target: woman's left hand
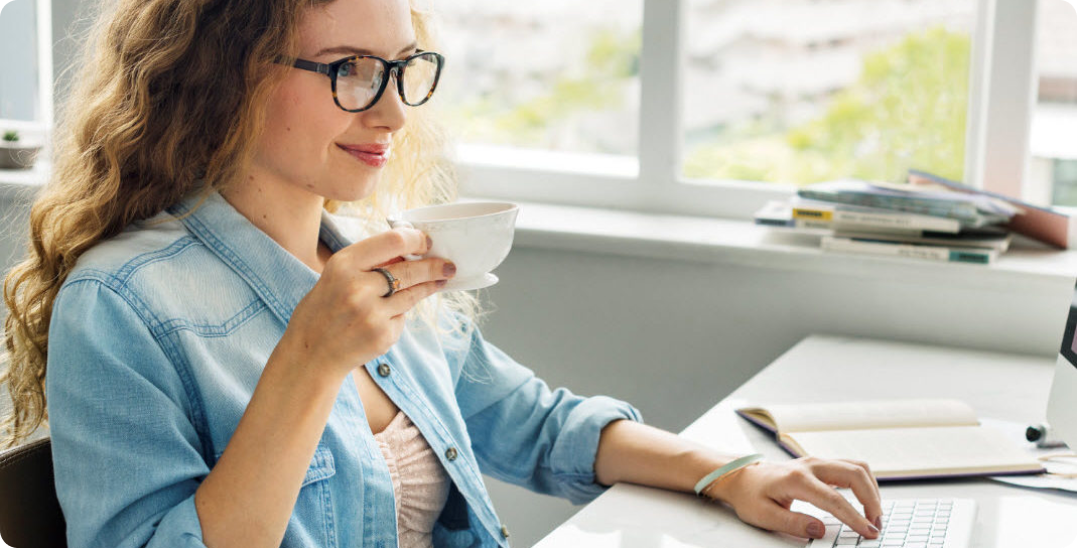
[{"x": 761, "y": 495}]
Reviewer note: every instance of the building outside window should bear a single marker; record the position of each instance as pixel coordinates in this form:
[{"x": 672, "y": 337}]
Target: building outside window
[
  {"x": 801, "y": 91},
  {"x": 1053, "y": 143}
]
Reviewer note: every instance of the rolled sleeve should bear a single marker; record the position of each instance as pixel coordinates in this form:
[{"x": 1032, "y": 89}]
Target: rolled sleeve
[
  {"x": 126, "y": 454},
  {"x": 573, "y": 456},
  {"x": 180, "y": 527},
  {"x": 526, "y": 434}
]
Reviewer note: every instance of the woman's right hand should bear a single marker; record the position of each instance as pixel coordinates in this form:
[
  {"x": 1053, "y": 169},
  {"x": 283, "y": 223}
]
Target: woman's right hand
[
  {"x": 762, "y": 494},
  {"x": 345, "y": 321}
]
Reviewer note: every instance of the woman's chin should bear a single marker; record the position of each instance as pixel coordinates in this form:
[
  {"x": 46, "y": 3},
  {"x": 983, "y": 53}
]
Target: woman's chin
[{"x": 354, "y": 192}]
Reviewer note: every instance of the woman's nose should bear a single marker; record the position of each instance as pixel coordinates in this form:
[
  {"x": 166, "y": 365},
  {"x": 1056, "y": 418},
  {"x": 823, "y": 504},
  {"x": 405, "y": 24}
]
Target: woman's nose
[{"x": 389, "y": 111}]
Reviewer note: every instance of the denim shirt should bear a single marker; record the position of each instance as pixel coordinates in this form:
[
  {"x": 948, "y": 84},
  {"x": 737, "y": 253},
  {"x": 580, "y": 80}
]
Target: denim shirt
[{"x": 158, "y": 338}]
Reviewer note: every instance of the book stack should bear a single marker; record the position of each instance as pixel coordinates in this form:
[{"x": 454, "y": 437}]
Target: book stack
[{"x": 919, "y": 221}]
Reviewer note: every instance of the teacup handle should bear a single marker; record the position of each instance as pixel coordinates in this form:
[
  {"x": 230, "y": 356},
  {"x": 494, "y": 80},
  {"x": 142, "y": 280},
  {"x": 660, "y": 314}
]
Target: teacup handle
[{"x": 400, "y": 223}]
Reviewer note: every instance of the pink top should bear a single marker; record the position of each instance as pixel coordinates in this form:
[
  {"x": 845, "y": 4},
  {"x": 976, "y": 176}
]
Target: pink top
[{"x": 420, "y": 482}]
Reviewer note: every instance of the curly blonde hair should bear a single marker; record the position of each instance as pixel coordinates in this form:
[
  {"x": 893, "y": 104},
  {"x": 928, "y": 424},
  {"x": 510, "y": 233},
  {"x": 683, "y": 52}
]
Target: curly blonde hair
[{"x": 139, "y": 131}]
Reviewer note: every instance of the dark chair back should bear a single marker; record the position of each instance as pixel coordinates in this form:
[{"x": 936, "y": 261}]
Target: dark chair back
[{"x": 30, "y": 515}]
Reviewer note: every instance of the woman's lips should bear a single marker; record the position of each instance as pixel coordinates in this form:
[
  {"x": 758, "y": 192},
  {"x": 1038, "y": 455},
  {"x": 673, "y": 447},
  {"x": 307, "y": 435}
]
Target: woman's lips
[{"x": 372, "y": 159}]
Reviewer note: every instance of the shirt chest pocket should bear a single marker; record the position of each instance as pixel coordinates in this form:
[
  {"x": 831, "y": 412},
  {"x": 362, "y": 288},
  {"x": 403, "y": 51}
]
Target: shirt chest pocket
[
  {"x": 312, "y": 520},
  {"x": 322, "y": 466}
]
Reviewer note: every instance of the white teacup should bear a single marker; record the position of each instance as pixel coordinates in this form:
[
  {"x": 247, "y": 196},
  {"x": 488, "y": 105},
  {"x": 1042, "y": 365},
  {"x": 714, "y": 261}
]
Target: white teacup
[{"x": 475, "y": 236}]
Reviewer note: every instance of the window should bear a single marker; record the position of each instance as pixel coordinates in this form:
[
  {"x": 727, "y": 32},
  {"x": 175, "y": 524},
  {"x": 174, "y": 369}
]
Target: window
[
  {"x": 799, "y": 91},
  {"x": 737, "y": 92},
  {"x": 548, "y": 76},
  {"x": 18, "y": 67},
  {"x": 686, "y": 106},
  {"x": 1053, "y": 142},
  {"x": 25, "y": 67}
]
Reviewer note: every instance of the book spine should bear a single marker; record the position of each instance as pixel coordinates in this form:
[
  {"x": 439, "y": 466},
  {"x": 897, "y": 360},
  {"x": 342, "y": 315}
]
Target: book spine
[
  {"x": 934, "y": 253},
  {"x": 969, "y": 256},
  {"x": 772, "y": 222},
  {"x": 903, "y": 222},
  {"x": 812, "y": 224}
]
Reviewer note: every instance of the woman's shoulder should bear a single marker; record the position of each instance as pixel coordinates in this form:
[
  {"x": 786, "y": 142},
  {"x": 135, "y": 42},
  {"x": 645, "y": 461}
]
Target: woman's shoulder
[
  {"x": 158, "y": 266},
  {"x": 115, "y": 260}
]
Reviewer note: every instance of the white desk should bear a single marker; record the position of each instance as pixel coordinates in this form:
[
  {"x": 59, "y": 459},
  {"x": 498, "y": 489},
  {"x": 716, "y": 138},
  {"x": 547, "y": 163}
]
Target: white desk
[{"x": 822, "y": 368}]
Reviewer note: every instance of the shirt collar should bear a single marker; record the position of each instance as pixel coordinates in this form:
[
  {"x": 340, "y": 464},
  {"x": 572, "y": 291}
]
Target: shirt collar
[{"x": 279, "y": 278}]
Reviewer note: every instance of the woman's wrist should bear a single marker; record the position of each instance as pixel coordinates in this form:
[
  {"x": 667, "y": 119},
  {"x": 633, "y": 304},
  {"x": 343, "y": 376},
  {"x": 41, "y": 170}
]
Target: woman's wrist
[{"x": 724, "y": 471}]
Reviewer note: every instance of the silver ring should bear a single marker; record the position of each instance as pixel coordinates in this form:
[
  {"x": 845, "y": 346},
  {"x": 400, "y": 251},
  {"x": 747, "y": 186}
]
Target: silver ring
[{"x": 394, "y": 284}]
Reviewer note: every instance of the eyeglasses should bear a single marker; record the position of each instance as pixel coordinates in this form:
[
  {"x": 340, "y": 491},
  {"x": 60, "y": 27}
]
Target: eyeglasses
[{"x": 359, "y": 81}]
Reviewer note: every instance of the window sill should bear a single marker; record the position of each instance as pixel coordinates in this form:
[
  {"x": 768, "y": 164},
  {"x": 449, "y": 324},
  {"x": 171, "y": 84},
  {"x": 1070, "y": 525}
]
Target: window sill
[
  {"x": 22, "y": 184},
  {"x": 1027, "y": 266}
]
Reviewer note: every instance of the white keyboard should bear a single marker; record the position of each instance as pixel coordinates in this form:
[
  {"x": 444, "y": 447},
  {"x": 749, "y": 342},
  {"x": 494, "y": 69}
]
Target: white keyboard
[{"x": 912, "y": 523}]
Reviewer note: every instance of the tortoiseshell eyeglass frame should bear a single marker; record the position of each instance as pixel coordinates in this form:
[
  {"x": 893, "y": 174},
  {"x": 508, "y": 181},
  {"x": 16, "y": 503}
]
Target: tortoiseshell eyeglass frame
[{"x": 389, "y": 67}]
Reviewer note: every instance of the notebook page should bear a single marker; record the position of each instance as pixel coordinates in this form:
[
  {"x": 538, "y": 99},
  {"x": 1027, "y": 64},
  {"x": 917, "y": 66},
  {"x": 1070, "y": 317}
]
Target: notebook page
[
  {"x": 912, "y": 452},
  {"x": 869, "y": 414}
]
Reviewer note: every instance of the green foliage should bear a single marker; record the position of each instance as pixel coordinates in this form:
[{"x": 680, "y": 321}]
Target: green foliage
[
  {"x": 907, "y": 110},
  {"x": 611, "y": 62},
  {"x": 11, "y": 136}
]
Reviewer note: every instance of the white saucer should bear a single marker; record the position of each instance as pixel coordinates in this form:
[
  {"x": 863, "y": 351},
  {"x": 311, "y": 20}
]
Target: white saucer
[{"x": 477, "y": 282}]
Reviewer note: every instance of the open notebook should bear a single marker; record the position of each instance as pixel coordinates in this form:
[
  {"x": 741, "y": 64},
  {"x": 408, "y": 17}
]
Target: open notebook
[{"x": 899, "y": 439}]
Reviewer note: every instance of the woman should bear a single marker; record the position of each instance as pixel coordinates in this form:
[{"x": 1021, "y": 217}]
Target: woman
[{"x": 227, "y": 366}]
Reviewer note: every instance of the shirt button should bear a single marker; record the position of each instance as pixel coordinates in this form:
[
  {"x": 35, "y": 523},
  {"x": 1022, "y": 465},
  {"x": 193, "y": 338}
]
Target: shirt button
[
  {"x": 504, "y": 531},
  {"x": 383, "y": 370},
  {"x": 450, "y": 453}
]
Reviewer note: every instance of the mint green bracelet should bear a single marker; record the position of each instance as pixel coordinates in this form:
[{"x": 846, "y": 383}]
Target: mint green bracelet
[{"x": 732, "y": 465}]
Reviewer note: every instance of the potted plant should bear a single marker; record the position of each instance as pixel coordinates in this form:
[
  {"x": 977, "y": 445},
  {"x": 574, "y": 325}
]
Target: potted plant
[{"x": 14, "y": 154}]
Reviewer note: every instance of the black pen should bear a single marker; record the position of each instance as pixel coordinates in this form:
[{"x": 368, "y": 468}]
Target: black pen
[{"x": 1043, "y": 436}]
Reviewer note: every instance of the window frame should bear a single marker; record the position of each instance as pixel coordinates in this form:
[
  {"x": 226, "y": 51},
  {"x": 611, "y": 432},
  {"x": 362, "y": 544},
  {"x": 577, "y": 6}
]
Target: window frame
[{"x": 1002, "y": 95}]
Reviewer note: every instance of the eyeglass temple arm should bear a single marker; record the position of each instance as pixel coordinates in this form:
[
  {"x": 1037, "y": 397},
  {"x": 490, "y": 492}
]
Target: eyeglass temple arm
[{"x": 320, "y": 68}]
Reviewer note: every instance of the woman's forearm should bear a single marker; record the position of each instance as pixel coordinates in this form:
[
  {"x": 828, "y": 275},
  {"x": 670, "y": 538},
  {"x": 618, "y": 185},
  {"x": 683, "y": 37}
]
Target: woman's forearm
[
  {"x": 248, "y": 497},
  {"x": 632, "y": 452}
]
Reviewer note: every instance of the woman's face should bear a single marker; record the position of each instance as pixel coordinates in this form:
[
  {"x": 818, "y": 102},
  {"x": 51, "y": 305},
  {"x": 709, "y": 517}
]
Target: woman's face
[{"x": 306, "y": 134}]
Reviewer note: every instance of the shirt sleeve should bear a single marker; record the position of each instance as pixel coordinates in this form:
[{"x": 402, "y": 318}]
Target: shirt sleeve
[
  {"x": 526, "y": 434},
  {"x": 125, "y": 452}
]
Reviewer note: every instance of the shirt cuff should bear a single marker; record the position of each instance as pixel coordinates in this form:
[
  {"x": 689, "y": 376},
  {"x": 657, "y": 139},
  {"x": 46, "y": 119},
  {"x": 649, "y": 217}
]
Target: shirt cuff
[
  {"x": 573, "y": 456},
  {"x": 180, "y": 527}
]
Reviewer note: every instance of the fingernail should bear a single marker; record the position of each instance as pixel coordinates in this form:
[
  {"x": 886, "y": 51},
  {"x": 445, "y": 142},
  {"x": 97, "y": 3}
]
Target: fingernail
[
  {"x": 874, "y": 529},
  {"x": 441, "y": 283},
  {"x": 449, "y": 269},
  {"x": 879, "y": 522},
  {"x": 816, "y": 530},
  {"x": 429, "y": 243}
]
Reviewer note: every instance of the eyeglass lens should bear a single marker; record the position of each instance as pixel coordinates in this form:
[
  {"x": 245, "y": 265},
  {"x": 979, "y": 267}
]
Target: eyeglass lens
[{"x": 358, "y": 81}]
